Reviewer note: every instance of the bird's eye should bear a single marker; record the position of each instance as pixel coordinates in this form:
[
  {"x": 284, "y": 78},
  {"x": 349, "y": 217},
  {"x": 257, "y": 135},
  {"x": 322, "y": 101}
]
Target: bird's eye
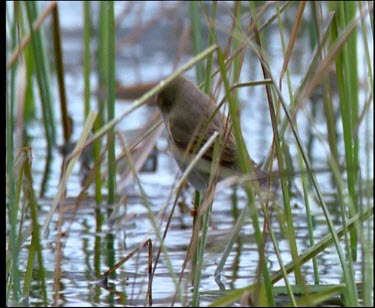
[{"x": 165, "y": 103}]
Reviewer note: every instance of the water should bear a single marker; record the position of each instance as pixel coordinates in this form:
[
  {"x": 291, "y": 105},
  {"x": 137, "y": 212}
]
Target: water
[{"x": 91, "y": 245}]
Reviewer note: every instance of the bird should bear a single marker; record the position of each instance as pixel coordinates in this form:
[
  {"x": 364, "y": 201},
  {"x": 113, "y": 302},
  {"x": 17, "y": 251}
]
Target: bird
[{"x": 191, "y": 118}]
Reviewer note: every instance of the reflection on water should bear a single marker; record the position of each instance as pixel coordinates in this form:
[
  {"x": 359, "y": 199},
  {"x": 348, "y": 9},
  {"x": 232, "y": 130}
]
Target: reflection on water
[
  {"x": 91, "y": 247},
  {"x": 146, "y": 52}
]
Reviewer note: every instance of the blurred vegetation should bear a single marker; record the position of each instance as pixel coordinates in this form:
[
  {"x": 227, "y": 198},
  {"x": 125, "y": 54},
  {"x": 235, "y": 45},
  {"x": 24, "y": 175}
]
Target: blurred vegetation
[{"x": 338, "y": 33}]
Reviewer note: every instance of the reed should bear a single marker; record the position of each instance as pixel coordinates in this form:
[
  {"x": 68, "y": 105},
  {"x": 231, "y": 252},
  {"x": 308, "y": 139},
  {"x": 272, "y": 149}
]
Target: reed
[{"x": 338, "y": 36}]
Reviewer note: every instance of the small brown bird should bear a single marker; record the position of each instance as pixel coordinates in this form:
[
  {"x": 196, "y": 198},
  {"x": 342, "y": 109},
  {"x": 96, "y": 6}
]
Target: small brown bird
[{"x": 188, "y": 114}]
